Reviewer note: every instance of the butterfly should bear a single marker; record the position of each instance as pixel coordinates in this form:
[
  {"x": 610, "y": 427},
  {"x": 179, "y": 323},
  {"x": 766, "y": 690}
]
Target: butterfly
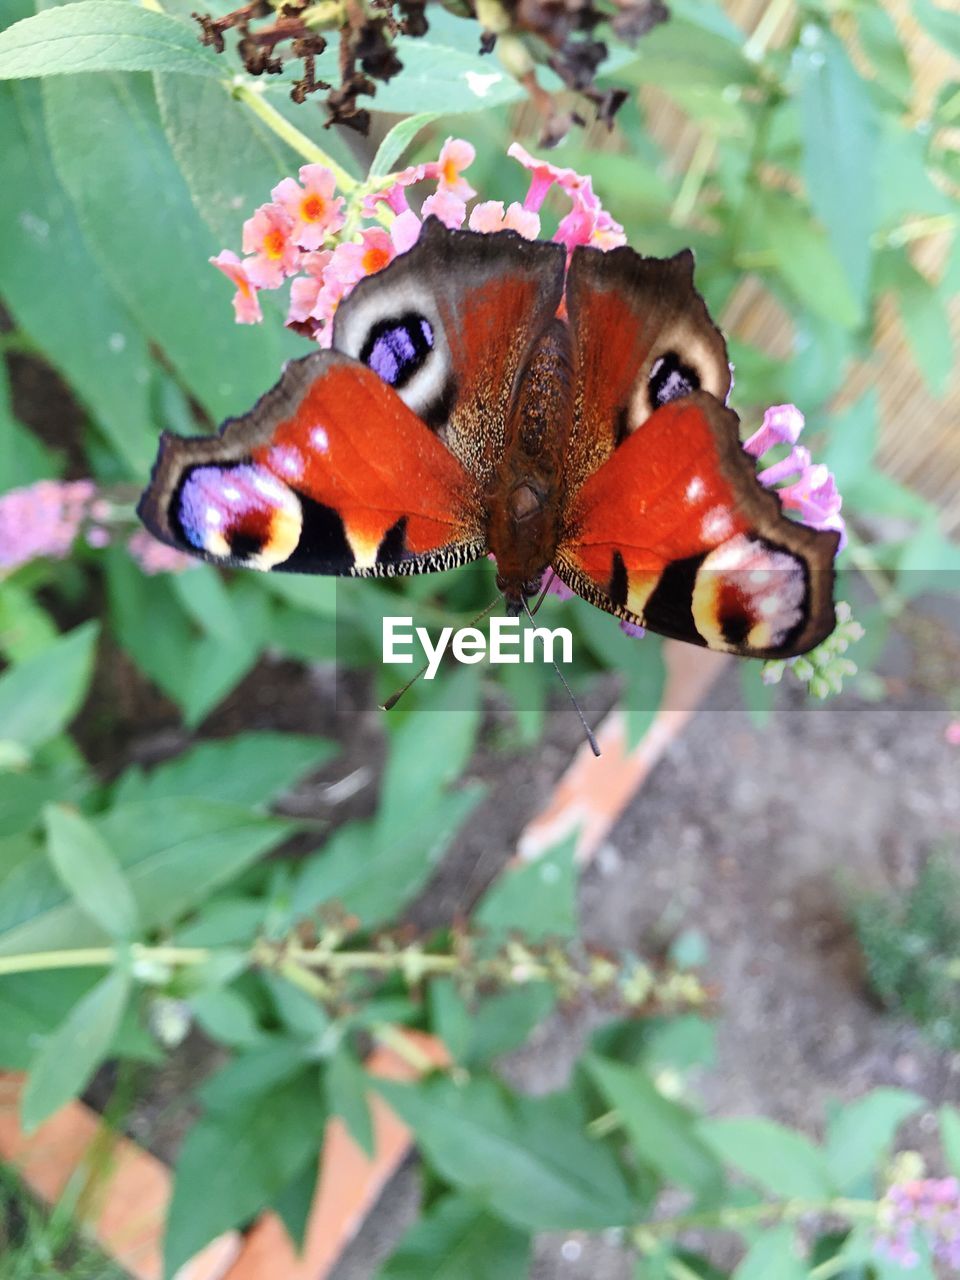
[{"x": 484, "y": 396}]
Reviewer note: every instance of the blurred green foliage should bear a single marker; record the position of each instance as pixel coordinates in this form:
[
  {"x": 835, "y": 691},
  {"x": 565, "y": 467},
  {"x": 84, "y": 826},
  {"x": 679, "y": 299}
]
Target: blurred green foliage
[
  {"x": 910, "y": 947},
  {"x": 810, "y": 173}
]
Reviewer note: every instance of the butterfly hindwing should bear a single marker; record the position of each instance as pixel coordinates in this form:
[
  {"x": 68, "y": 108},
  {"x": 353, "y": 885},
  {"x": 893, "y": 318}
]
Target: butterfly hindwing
[
  {"x": 329, "y": 473},
  {"x": 449, "y": 324},
  {"x": 675, "y": 532}
]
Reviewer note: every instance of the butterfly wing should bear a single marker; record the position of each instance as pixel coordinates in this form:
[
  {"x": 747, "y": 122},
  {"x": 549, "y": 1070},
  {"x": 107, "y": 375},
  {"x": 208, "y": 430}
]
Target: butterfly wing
[
  {"x": 665, "y": 523},
  {"x": 675, "y": 532},
  {"x": 643, "y": 337},
  {"x": 329, "y": 473},
  {"x": 449, "y": 325}
]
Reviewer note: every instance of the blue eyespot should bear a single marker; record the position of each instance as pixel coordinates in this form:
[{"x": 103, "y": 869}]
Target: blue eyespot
[{"x": 396, "y": 348}]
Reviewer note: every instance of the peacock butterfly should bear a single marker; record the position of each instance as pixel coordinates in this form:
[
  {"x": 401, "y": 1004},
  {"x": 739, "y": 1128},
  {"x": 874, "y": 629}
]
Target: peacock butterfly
[{"x": 484, "y": 396}]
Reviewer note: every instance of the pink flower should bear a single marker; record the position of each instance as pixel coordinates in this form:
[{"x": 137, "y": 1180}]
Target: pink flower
[
  {"x": 42, "y": 519},
  {"x": 156, "y": 557},
  {"x": 928, "y": 1207},
  {"x": 490, "y": 216},
  {"x": 313, "y": 209},
  {"x": 395, "y": 195},
  {"x": 405, "y": 231},
  {"x": 803, "y": 486},
  {"x": 607, "y": 232},
  {"x": 782, "y": 424},
  {"x": 544, "y": 175},
  {"x": 246, "y": 304},
  {"x": 267, "y": 235},
  {"x": 446, "y": 206},
  {"x": 456, "y": 155},
  {"x": 358, "y": 258}
]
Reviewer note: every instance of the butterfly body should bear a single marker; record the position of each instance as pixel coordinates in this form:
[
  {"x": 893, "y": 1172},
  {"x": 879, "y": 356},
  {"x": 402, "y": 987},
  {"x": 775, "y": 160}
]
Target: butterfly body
[{"x": 486, "y": 397}]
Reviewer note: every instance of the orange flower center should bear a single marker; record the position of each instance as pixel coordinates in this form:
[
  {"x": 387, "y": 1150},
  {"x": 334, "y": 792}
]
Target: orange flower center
[
  {"x": 273, "y": 243},
  {"x": 313, "y": 207},
  {"x": 451, "y": 173},
  {"x": 375, "y": 260}
]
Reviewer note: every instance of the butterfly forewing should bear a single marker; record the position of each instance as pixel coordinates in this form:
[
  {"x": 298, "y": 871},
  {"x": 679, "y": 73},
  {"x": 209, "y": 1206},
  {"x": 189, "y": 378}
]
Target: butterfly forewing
[
  {"x": 450, "y": 325},
  {"x": 330, "y": 473}
]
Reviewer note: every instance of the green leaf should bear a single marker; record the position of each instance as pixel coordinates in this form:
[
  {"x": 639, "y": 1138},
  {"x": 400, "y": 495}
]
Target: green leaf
[
  {"x": 251, "y": 769},
  {"x": 804, "y": 260},
  {"x": 430, "y": 748},
  {"x": 926, "y": 320},
  {"x": 397, "y": 140},
  {"x": 772, "y": 1257},
  {"x": 33, "y": 1005},
  {"x": 527, "y": 1159},
  {"x": 72, "y": 1053},
  {"x": 347, "y": 1086},
  {"x": 147, "y": 237},
  {"x": 232, "y": 1164},
  {"x": 294, "y": 1204},
  {"x": 940, "y": 23},
  {"x": 459, "y": 1240},
  {"x": 228, "y": 157},
  {"x": 226, "y": 1016},
  {"x": 260, "y": 1070},
  {"x": 878, "y": 37},
  {"x": 853, "y": 441},
  {"x": 102, "y": 35},
  {"x": 781, "y": 1161},
  {"x": 477, "y": 1033},
  {"x": 860, "y": 1133},
  {"x": 174, "y": 853},
  {"x": 40, "y": 696},
  {"x": 536, "y": 899},
  {"x": 373, "y": 871},
  {"x": 950, "y": 1137},
  {"x": 88, "y": 870},
  {"x": 839, "y": 151},
  {"x": 196, "y": 671},
  {"x": 662, "y": 1133}
]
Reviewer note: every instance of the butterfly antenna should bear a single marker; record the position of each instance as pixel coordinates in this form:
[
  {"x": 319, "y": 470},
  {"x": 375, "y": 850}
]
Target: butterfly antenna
[
  {"x": 591, "y": 736},
  {"x": 543, "y": 593},
  {"x": 394, "y": 698}
]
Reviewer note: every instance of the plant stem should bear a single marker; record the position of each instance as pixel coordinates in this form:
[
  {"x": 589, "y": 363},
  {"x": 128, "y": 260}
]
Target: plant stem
[
  {"x": 693, "y": 179},
  {"x": 377, "y": 961},
  {"x": 747, "y": 1215},
  {"x": 100, "y": 957},
  {"x": 287, "y": 132},
  {"x": 403, "y": 1046},
  {"x": 765, "y": 30}
]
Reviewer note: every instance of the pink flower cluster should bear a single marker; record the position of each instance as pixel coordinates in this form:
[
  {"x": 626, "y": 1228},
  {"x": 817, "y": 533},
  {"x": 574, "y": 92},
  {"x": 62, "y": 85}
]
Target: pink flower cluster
[
  {"x": 295, "y": 236},
  {"x": 42, "y": 519},
  {"x": 929, "y": 1207},
  {"x": 45, "y": 519},
  {"x": 803, "y": 486}
]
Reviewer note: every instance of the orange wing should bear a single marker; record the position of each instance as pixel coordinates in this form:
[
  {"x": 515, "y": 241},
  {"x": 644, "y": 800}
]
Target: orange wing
[
  {"x": 674, "y": 532},
  {"x": 330, "y": 473}
]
